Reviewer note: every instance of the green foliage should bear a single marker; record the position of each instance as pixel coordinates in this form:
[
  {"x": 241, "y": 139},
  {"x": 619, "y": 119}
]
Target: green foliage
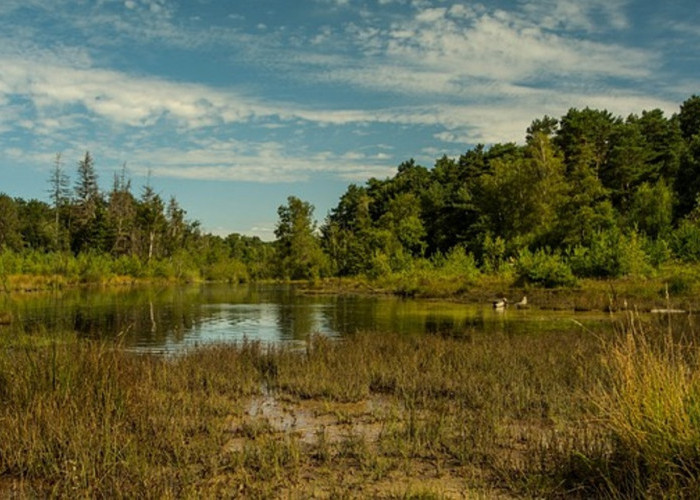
[
  {"x": 687, "y": 182},
  {"x": 615, "y": 195},
  {"x": 298, "y": 249},
  {"x": 543, "y": 268},
  {"x": 457, "y": 262},
  {"x": 651, "y": 209},
  {"x": 379, "y": 265},
  {"x": 10, "y": 262},
  {"x": 651, "y": 406},
  {"x": 231, "y": 270},
  {"x": 254, "y": 253},
  {"x": 126, "y": 265},
  {"x": 679, "y": 284},
  {"x": 685, "y": 241},
  {"x": 94, "y": 267},
  {"x": 10, "y": 236},
  {"x": 658, "y": 251},
  {"x": 611, "y": 254},
  {"x": 689, "y": 117},
  {"x": 493, "y": 253}
]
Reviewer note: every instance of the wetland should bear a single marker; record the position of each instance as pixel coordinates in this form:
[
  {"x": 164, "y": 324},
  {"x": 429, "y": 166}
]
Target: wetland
[{"x": 263, "y": 392}]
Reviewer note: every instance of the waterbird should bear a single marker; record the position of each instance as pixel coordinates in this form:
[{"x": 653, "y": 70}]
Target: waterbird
[
  {"x": 500, "y": 303},
  {"x": 522, "y": 303}
]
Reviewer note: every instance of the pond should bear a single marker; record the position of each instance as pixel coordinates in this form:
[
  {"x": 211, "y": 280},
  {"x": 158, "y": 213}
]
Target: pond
[{"x": 167, "y": 319}]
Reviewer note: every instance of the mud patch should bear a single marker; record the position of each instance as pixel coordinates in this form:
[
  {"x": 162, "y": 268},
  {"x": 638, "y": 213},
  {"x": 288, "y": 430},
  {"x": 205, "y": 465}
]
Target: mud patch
[{"x": 311, "y": 421}]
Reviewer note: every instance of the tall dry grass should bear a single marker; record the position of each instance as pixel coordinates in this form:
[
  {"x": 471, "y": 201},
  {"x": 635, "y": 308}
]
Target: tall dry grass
[
  {"x": 85, "y": 419},
  {"x": 651, "y": 408},
  {"x": 543, "y": 414}
]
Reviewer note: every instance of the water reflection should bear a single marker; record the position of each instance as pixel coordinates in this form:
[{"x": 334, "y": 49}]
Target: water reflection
[{"x": 171, "y": 318}]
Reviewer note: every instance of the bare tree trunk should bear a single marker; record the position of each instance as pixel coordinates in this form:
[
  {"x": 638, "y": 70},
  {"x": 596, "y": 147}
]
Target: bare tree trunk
[{"x": 151, "y": 239}]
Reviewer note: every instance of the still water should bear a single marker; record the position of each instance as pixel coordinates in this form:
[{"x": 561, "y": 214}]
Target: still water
[{"x": 173, "y": 318}]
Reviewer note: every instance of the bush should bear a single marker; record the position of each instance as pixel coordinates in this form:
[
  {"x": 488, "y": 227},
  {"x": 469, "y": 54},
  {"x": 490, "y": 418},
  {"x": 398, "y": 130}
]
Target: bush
[
  {"x": 10, "y": 262},
  {"x": 380, "y": 265},
  {"x": 543, "y": 268},
  {"x": 457, "y": 263},
  {"x": 231, "y": 270},
  {"x": 128, "y": 265},
  {"x": 679, "y": 284},
  {"x": 658, "y": 251},
  {"x": 160, "y": 269},
  {"x": 493, "y": 253},
  {"x": 94, "y": 267},
  {"x": 685, "y": 241},
  {"x": 610, "y": 255}
]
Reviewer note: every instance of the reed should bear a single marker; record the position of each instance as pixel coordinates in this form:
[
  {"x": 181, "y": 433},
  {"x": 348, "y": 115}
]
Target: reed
[
  {"x": 651, "y": 408},
  {"x": 537, "y": 415}
]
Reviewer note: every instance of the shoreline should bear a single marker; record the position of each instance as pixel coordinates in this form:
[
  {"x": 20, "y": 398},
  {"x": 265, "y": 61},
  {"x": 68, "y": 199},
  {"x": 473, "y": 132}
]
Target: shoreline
[{"x": 607, "y": 295}]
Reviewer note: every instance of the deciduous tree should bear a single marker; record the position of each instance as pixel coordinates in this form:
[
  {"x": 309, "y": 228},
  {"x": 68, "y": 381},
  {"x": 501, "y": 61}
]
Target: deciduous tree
[{"x": 298, "y": 251}]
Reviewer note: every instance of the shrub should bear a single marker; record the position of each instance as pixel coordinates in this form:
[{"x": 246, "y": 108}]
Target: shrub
[
  {"x": 459, "y": 263},
  {"x": 380, "y": 265},
  {"x": 161, "y": 268},
  {"x": 658, "y": 251},
  {"x": 94, "y": 268},
  {"x": 10, "y": 262},
  {"x": 685, "y": 241},
  {"x": 544, "y": 269},
  {"x": 493, "y": 253},
  {"x": 231, "y": 270},
  {"x": 679, "y": 284},
  {"x": 128, "y": 265},
  {"x": 611, "y": 254}
]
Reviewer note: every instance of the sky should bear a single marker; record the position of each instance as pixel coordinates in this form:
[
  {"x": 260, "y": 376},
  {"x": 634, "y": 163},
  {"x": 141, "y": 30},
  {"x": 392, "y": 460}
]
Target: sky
[{"x": 232, "y": 106}]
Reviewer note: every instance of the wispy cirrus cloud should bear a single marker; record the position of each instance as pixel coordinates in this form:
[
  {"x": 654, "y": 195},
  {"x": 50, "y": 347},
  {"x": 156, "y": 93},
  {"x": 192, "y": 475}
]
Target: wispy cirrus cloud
[
  {"x": 464, "y": 73},
  {"x": 450, "y": 50},
  {"x": 590, "y": 16},
  {"x": 131, "y": 104}
]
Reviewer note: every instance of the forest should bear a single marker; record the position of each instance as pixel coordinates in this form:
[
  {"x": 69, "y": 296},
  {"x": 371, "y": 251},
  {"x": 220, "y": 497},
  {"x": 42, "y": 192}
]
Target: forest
[{"x": 588, "y": 194}]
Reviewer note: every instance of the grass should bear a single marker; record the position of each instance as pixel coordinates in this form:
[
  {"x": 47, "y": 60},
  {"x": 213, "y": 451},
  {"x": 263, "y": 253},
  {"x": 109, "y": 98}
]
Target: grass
[
  {"x": 641, "y": 293},
  {"x": 540, "y": 415},
  {"x": 651, "y": 409}
]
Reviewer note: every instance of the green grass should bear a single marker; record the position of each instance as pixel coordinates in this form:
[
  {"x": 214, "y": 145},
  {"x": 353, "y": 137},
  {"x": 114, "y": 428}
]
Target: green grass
[
  {"x": 651, "y": 409},
  {"x": 538, "y": 415}
]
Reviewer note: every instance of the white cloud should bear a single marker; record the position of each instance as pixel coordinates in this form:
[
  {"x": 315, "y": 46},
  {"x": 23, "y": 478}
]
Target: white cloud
[
  {"x": 121, "y": 98},
  {"x": 265, "y": 162},
  {"x": 431, "y": 15},
  {"x": 461, "y": 52},
  {"x": 500, "y": 45},
  {"x": 467, "y": 73},
  {"x": 591, "y": 15},
  {"x": 497, "y": 112}
]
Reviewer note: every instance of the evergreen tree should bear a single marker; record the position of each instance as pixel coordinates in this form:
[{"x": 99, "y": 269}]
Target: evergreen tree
[
  {"x": 36, "y": 224},
  {"x": 688, "y": 180},
  {"x": 59, "y": 193},
  {"x": 87, "y": 218},
  {"x": 10, "y": 235},
  {"x": 121, "y": 215}
]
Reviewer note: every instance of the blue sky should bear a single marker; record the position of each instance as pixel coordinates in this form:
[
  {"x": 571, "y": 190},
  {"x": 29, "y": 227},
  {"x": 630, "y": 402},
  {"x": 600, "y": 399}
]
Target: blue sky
[{"x": 234, "y": 105}]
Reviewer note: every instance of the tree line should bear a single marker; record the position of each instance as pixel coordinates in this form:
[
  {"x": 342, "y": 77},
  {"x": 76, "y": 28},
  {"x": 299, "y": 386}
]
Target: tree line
[
  {"x": 140, "y": 235},
  {"x": 587, "y": 194}
]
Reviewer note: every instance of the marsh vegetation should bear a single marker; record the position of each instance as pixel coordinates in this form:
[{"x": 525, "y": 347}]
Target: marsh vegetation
[{"x": 550, "y": 413}]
